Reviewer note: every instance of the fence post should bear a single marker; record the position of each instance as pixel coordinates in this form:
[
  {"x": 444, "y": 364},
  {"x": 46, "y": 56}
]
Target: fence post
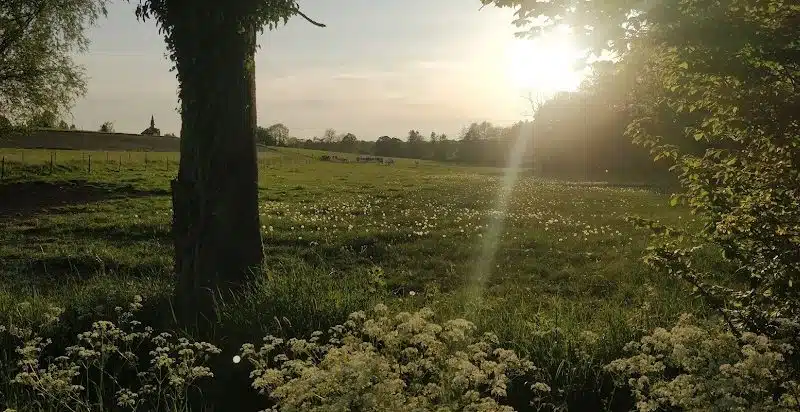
[
  {"x": 3, "y": 168},
  {"x": 51, "y": 162},
  {"x": 90, "y": 164},
  {"x": 119, "y": 164},
  {"x": 23, "y": 156}
]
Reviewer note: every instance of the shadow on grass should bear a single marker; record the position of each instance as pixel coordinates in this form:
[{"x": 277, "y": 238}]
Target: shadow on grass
[
  {"x": 28, "y": 198},
  {"x": 118, "y": 234},
  {"x": 48, "y": 272}
]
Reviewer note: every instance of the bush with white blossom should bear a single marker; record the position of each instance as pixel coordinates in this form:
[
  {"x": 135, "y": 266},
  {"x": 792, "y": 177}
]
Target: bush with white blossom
[
  {"x": 698, "y": 368},
  {"x": 379, "y": 361},
  {"x": 106, "y": 360}
]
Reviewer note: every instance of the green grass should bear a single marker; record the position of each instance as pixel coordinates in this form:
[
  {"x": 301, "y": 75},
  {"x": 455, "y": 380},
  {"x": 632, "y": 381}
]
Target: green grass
[{"x": 566, "y": 259}]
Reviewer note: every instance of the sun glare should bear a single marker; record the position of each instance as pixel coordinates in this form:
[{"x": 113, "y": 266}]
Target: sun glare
[{"x": 544, "y": 65}]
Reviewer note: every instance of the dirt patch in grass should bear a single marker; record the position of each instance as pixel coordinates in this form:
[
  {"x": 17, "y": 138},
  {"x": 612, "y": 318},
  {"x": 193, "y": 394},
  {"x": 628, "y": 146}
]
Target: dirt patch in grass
[{"x": 28, "y": 198}]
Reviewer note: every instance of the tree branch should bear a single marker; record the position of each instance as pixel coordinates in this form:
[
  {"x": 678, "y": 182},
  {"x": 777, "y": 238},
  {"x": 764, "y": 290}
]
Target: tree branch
[{"x": 308, "y": 19}]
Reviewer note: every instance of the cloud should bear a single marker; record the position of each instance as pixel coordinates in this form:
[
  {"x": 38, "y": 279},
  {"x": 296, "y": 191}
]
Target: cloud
[{"x": 439, "y": 95}]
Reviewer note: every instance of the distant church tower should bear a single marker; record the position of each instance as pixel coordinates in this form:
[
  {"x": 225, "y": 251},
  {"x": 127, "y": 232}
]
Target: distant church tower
[{"x": 152, "y": 130}]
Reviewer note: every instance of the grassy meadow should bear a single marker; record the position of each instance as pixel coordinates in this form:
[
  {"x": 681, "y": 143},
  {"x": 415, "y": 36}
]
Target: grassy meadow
[{"x": 557, "y": 274}]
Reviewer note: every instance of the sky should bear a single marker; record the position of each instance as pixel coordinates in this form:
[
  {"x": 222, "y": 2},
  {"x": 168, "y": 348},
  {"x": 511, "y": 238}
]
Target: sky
[{"x": 380, "y": 67}]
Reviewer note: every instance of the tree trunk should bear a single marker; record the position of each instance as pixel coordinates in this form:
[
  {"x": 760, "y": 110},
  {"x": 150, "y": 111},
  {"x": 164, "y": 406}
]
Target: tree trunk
[{"x": 215, "y": 196}]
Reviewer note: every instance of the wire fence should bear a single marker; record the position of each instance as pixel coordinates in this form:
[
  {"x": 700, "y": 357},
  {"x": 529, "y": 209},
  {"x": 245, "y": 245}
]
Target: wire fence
[{"x": 19, "y": 163}]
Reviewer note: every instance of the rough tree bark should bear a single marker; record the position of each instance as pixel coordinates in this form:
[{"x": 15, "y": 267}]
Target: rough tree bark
[{"x": 215, "y": 196}]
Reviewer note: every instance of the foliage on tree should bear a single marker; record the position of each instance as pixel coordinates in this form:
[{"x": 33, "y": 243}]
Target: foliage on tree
[
  {"x": 349, "y": 138},
  {"x": 275, "y": 135},
  {"x": 416, "y": 145},
  {"x": 44, "y": 119},
  {"x": 38, "y": 39},
  {"x": 279, "y": 133},
  {"x": 443, "y": 148},
  {"x": 216, "y": 226},
  {"x": 292, "y": 141},
  {"x": 723, "y": 74},
  {"x": 6, "y": 127},
  {"x": 474, "y": 138},
  {"x": 263, "y": 137},
  {"x": 415, "y": 137},
  {"x": 107, "y": 127},
  {"x": 390, "y": 146},
  {"x": 63, "y": 125},
  {"x": 349, "y": 143},
  {"x": 330, "y": 136}
]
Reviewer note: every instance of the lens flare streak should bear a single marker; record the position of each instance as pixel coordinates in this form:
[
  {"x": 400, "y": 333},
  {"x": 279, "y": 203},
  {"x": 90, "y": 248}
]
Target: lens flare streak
[{"x": 491, "y": 240}]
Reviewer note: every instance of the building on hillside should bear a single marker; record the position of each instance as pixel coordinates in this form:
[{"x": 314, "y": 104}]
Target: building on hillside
[{"x": 152, "y": 130}]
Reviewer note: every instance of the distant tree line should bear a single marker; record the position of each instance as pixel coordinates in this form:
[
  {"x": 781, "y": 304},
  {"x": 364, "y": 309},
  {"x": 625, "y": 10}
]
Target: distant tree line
[
  {"x": 574, "y": 135},
  {"x": 45, "y": 119}
]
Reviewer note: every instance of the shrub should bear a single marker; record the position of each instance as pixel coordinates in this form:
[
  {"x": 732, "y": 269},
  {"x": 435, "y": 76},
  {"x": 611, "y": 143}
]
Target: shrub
[
  {"x": 104, "y": 368},
  {"x": 107, "y": 127},
  {"x": 381, "y": 362},
  {"x": 745, "y": 185},
  {"x": 697, "y": 368}
]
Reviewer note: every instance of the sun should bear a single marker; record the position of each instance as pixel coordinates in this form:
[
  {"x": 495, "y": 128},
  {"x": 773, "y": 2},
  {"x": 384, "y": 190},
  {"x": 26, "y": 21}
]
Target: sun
[{"x": 544, "y": 65}]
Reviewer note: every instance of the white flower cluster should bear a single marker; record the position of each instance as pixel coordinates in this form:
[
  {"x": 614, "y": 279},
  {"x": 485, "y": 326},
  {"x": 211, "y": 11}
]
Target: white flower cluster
[
  {"x": 78, "y": 379},
  {"x": 387, "y": 362},
  {"x": 694, "y": 368}
]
